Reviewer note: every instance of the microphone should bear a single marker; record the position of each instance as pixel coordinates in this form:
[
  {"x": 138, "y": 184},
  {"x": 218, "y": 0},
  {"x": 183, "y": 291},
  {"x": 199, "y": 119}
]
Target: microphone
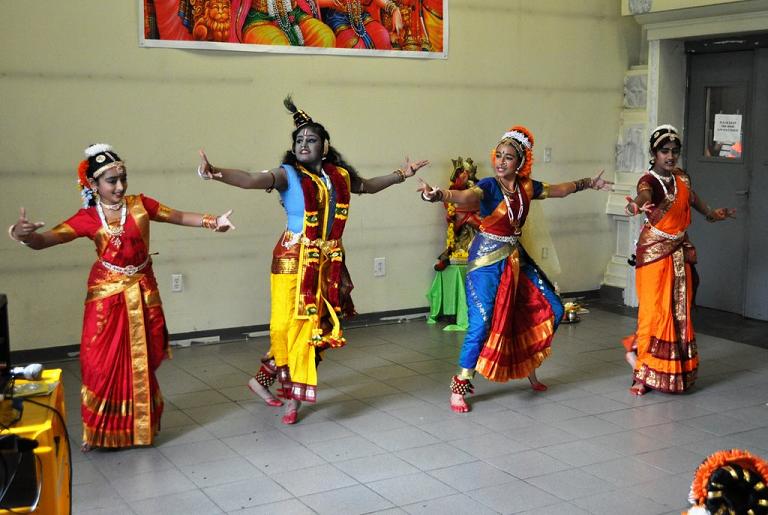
[{"x": 32, "y": 372}]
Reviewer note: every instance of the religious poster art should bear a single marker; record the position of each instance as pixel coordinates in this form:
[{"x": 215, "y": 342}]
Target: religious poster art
[{"x": 388, "y": 28}]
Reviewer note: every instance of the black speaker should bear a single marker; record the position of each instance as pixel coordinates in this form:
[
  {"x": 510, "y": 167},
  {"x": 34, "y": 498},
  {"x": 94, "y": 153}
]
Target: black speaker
[{"x": 18, "y": 473}]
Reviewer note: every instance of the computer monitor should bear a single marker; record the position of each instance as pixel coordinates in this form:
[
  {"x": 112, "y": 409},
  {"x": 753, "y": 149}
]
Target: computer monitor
[{"x": 5, "y": 342}]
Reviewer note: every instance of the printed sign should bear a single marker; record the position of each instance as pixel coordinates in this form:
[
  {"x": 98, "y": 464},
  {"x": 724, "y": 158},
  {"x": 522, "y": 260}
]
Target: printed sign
[{"x": 727, "y": 128}]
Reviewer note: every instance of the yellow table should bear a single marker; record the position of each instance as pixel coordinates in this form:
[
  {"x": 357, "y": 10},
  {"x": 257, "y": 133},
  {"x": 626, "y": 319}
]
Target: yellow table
[{"x": 41, "y": 424}]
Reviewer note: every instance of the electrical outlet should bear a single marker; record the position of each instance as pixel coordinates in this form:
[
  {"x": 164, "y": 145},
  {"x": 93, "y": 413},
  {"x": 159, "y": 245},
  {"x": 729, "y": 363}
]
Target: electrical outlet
[
  {"x": 177, "y": 283},
  {"x": 379, "y": 267},
  {"x": 544, "y": 252},
  {"x": 547, "y": 154}
]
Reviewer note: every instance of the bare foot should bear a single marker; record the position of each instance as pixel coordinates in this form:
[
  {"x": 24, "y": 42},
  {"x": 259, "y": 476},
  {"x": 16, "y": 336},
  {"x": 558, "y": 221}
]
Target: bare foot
[
  {"x": 638, "y": 389},
  {"x": 631, "y": 358},
  {"x": 291, "y": 412},
  {"x": 263, "y": 392},
  {"x": 536, "y": 385},
  {"x": 458, "y": 404},
  {"x": 86, "y": 448}
]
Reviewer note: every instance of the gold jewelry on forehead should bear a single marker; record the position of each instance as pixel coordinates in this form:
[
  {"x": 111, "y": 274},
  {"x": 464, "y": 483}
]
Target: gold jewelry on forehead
[
  {"x": 663, "y": 132},
  {"x": 519, "y": 150},
  {"x": 113, "y": 164},
  {"x": 659, "y": 136}
]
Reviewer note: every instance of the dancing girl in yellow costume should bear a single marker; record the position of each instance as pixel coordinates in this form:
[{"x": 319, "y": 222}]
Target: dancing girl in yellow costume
[{"x": 310, "y": 284}]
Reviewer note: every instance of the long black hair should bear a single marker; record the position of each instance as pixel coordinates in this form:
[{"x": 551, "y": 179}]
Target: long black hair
[
  {"x": 333, "y": 156},
  {"x": 302, "y": 121}
]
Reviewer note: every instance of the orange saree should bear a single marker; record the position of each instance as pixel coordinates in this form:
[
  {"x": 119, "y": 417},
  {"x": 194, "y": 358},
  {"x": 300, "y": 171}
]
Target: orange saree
[
  {"x": 124, "y": 336},
  {"x": 667, "y": 358}
]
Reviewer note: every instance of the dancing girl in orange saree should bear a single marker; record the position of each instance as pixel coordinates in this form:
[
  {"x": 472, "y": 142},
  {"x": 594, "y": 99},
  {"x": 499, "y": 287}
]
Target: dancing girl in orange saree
[
  {"x": 663, "y": 351},
  {"x": 124, "y": 336}
]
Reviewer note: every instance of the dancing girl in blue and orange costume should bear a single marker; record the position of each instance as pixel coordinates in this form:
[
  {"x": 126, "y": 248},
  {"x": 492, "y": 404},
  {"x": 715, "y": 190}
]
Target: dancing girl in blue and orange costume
[
  {"x": 513, "y": 308},
  {"x": 310, "y": 285}
]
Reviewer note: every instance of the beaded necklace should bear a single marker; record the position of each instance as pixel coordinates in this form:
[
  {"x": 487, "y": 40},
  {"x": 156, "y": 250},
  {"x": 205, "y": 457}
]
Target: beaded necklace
[
  {"x": 506, "y": 193},
  {"x": 280, "y": 10},
  {"x": 355, "y": 14},
  {"x": 663, "y": 180},
  {"x": 112, "y": 207},
  {"x": 114, "y": 233},
  {"x": 314, "y": 9}
]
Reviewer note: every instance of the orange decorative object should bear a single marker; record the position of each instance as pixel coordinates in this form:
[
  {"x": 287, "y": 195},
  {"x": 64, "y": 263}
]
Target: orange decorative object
[
  {"x": 212, "y": 20},
  {"x": 721, "y": 459},
  {"x": 81, "y": 171}
]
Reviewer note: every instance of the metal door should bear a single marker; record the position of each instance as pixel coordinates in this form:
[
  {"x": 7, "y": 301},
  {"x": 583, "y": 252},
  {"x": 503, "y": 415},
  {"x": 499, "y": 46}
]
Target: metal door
[
  {"x": 717, "y": 156},
  {"x": 726, "y": 155}
]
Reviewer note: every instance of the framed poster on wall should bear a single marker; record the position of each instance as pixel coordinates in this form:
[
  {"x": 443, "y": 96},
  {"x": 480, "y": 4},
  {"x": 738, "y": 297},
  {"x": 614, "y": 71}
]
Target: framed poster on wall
[{"x": 384, "y": 28}]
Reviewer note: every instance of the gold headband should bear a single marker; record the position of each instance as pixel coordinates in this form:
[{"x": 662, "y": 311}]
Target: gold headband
[{"x": 106, "y": 167}]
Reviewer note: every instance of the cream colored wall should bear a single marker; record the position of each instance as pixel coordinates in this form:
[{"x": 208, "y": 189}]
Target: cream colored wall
[
  {"x": 73, "y": 74},
  {"x": 628, "y": 7}
]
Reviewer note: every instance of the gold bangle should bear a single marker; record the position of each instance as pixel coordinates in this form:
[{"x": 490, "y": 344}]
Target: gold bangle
[
  {"x": 582, "y": 184},
  {"x": 401, "y": 174},
  {"x": 209, "y": 222}
]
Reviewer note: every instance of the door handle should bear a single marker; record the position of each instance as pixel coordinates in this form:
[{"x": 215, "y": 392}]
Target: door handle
[{"x": 742, "y": 193}]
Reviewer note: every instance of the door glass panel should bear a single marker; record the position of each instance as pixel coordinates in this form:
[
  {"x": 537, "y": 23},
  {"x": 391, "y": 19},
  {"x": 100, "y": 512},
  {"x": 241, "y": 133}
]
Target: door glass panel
[{"x": 725, "y": 122}]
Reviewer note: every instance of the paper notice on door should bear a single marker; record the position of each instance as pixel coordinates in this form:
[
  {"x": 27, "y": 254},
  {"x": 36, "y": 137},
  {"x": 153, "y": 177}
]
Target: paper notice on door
[{"x": 727, "y": 128}]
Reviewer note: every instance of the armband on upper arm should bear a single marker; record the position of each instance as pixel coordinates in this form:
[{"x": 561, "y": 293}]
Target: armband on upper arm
[
  {"x": 644, "y": 186},
  {"x": 477, "y": 190},
  {"x": 544, "y": 191},
  {"x": 163, "y": 213}
]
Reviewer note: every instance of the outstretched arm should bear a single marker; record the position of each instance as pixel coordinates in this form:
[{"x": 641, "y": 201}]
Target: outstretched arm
[
  {"x": 220, "y": 223},
  {"x": 640, "y": 204},
  {"x": 564, "y": 189},
  {"x": 430, "y": 194},
  {"x": 376, "y": 184},
  {"x": 25, "y": 232},
  {"x": 266, "y": 180},
  {"x": 713, "y": 215}
]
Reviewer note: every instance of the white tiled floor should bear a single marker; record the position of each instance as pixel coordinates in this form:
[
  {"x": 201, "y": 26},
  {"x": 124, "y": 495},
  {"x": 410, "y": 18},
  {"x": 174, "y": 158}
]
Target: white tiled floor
[{"x": 383, "y": 440}]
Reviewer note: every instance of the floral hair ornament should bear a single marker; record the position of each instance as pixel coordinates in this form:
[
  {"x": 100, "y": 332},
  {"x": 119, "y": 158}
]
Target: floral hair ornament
[
  {"x": 730, "y": 482},
  {"x": 98, "y": 159},
  {"x": 101, "y": 157},
  {"x": 521, "y": 140},
  {"x": 517, "y": 136},
  {"x": 664, "y": 133},
  {"x": 86, "y": 193}
]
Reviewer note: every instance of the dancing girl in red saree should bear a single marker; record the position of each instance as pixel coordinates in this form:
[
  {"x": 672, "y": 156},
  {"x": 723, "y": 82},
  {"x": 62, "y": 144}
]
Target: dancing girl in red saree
[{"x": 124, "y": 337}]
